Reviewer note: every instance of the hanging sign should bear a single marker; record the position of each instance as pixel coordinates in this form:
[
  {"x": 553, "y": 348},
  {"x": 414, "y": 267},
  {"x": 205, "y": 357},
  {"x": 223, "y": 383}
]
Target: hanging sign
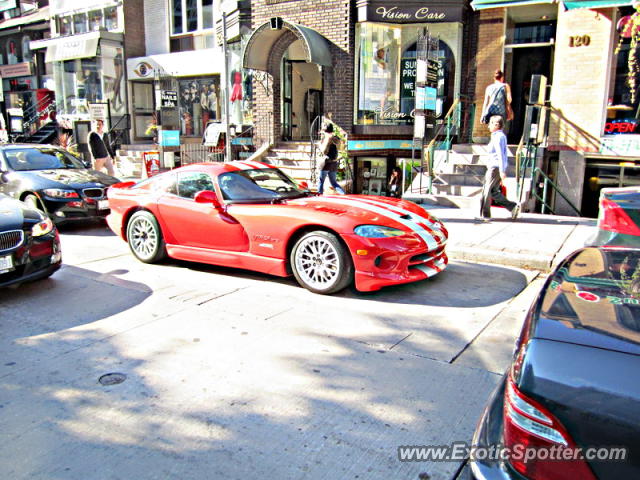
[{"x": 169, "y": 99}]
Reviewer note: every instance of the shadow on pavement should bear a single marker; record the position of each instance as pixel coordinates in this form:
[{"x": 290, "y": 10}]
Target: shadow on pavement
[{"x": 95, "y": 228}]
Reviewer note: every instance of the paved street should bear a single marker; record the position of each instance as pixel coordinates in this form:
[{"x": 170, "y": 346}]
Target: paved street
[{"x": 232, "y": 374}]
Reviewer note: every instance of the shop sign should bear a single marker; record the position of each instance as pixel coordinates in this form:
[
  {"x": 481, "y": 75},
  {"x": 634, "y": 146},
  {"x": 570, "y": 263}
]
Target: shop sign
[
  {"x": 380, "y": 145},
  {"x": 408, "y": 77},
  {"x": 151, "y": 163},
  {"x": 169, "y": 99},
  {"x": 617, "y": 127},
  {"x": 143, "y": 70},
  {"x": 99, "y": 111},
  {"x": 409, "y": 12},
  {"x": 169, "y": 138},
  {"x": 16, "y": 70}
]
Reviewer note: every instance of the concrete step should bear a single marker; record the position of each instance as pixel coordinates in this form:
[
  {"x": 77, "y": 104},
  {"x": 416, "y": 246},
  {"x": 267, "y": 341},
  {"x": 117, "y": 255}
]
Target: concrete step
[
  {"x": 468, "y": 169},
  {"x": 444, "y": 200},
  {"x": 459, "y": 179},
  {"x": 457, "y": 190},
  {"x": 479, "y": 148}
]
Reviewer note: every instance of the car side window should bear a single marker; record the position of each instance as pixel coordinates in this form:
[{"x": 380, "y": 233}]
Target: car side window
[{"x": 190, "y": 183}]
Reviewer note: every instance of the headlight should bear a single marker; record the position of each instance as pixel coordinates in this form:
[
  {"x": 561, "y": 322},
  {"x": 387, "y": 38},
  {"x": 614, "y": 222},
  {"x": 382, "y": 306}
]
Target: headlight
[
  {"x": 377, "y": 231},
  {"x": 42, "y": 228},
  {"x": 59, "y": 193}
]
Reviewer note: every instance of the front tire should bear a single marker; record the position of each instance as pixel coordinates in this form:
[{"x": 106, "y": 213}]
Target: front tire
[
  {"x": 321, "y": 263},
  {"x": 145, "y": 237}
]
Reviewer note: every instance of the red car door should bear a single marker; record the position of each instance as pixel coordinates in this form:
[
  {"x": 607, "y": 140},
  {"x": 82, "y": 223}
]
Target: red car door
[{"x": 192, "y": 224}]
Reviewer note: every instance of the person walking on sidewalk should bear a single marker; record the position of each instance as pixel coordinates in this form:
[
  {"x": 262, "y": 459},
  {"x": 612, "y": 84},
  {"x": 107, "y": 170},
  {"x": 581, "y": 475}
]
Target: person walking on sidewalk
[
  {"x": 496, "y": 172},
  {"x": 101, "y": 148},
  {"x": 329, "y": 148}
]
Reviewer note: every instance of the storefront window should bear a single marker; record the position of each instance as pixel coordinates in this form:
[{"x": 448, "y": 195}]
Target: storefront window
[
  {"x": 372, "y": 176},
  {"x": 207, "y": 13},
  {"x": 622, "y": 104},
  {"x": 64, "y": 25},
  {"x": 192, "y": 15},
  {"x": 80, "y": 23},
  {"x": 95, "y": 20},
  {"x": 199, "y": 103},
  {"x": 111, "y": 18},
  {"x": 386, "y": 66},
  {"x": 177, "y": 16},
  {"x": 91, "y": 80}
]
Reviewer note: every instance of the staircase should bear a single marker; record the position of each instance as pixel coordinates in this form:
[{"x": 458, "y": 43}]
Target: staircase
[
  {"x": 459, "y": 176},
  {"x": 43, "y": 135},
  {"x": 293, "y": 158}
]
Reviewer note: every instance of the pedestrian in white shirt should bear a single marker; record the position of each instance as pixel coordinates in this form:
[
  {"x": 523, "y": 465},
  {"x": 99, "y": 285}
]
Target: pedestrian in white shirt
[{"x": 496, "y": 172}]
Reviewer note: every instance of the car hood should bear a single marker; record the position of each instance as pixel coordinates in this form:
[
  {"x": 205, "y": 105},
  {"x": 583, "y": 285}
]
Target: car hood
[
  {"x": 14, "y": 214},
  {"x": 75, "y": 177},
  {"x": 365, "y": 209},
  {"x": 593, "y": 299}
]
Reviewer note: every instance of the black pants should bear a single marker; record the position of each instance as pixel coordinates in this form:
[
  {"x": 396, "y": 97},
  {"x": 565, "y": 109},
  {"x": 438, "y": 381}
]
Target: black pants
[{"x": 491, "y": 191}]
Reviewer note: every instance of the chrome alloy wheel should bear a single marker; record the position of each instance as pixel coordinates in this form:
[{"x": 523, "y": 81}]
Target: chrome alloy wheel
[
  {"x": 318, "y": 262},
  {"x": 143, "y": 238}
]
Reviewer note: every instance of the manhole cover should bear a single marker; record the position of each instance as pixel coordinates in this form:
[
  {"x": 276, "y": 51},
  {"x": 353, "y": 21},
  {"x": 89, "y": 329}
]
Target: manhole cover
[{"x": 112, "y": 378}]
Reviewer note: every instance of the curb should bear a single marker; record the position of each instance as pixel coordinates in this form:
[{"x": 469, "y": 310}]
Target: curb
[{"x": 529, "y": 261}]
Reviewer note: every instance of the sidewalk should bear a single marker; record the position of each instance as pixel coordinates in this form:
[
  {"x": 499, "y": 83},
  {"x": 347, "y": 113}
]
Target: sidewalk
[{"x": 533, "y": 241}]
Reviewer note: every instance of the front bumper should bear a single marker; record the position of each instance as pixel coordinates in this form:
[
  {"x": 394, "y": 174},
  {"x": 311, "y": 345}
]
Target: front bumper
[
  {"x": 382, "y": 262},
  {"x": 68, "y": 210},
  {"x": 37, "y": 257},
  {"x": 488, "y": 433}
]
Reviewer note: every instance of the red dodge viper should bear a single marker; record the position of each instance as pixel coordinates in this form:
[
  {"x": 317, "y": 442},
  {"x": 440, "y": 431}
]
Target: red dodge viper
[{"x": 251, "y": 215}]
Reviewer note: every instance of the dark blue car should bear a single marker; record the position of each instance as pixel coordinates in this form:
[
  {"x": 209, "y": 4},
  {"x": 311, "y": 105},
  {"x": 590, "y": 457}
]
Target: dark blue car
[
  {"x": 569, "y": 406},
  {"x": 53, "y": 181},
  {"x": 29, "y": 243}
]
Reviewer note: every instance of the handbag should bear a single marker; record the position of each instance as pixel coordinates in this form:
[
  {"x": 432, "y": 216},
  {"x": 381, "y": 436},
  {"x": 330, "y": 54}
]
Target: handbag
[{"x": 322, "y": 162}]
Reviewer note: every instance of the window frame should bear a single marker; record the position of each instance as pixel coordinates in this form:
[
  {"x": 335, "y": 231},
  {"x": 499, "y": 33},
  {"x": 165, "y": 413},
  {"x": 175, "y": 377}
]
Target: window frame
[{"x": 200, "y": 19}]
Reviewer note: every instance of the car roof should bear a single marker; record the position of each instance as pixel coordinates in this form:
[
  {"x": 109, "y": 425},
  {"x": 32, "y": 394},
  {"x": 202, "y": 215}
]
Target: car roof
[{"x": 593, "y": 299}]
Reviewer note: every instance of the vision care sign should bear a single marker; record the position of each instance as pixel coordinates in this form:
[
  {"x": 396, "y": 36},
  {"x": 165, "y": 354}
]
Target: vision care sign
[{"x": 409, "y": 11}]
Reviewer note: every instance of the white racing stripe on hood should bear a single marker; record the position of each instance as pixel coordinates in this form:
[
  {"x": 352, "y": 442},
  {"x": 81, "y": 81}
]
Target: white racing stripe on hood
[
  {"x": 431, "y": 242},
  {"x": 431, "y": 225},
  {"x": 245, "y": 166},
  {"x": 257, "y": 165}
]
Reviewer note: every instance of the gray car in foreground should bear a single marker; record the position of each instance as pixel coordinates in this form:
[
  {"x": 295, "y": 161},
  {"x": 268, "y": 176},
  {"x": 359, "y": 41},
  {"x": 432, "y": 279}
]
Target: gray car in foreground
[{"x": 569, "y": 406}]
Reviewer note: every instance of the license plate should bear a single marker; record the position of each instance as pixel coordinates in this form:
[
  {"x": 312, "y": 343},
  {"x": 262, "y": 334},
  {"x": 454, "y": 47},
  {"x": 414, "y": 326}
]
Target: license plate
[
  {"x": 103, "y": 204},
  {"x": 6, "y": 263}
]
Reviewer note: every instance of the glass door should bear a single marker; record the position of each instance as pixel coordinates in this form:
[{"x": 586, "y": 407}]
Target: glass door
[{"x": 287, "y": 99}]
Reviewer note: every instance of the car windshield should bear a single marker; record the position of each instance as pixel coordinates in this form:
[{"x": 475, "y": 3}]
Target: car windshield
[
  {"x": 22, "y": 159},
  {"x": 260, "y": 185}
]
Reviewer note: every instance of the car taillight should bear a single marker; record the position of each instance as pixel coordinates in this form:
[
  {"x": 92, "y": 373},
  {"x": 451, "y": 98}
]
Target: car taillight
[
  {"x": 613, "y": 218},
  {"x": 529, "y": 427}
]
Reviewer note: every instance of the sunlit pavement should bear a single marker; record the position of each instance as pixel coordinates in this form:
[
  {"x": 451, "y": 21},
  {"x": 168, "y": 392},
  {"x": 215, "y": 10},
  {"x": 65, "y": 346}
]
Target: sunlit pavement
[{"x": 232, "y": 374}]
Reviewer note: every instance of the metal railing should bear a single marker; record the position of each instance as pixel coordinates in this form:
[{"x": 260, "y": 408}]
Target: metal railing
[
  {"x": 457, "y": 123},
  {"x": 119, "y": 132},
  {"x": 315, "y": 137},
  {"x": 528, "y": 172}
]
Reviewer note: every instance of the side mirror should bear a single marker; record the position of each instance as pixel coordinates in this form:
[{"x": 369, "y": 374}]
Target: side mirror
[
  {"x": 3, "y": 176},
  {"x": 207, "y": 196},
  {"x": 304, "y": 185}
]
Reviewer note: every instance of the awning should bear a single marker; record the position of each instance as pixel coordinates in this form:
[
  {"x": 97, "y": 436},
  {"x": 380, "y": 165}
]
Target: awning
[
  {"x": 597, "y": 4},
  {"x": 262, "y": 40},
  {"x": 74, "y": 46},
  {"x": 207, "y": 61},
  {"x": 484, "y": 4},
  {"x": 41, "y": 15}
]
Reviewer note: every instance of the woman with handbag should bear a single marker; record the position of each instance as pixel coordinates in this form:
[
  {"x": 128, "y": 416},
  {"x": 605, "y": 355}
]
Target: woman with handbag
[
  {"x": 497, "y": 99},
  {"x": 329, "y": 167}
]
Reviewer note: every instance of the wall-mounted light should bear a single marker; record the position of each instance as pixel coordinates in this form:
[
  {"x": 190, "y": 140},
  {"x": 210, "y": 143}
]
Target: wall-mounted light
[{"x": 544, "y": 17}]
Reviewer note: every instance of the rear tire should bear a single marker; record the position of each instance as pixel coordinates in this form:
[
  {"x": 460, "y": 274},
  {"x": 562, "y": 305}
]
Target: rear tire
[
  {"x": 145, "y": 238},
  {"x": 321, "y": 263}
]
